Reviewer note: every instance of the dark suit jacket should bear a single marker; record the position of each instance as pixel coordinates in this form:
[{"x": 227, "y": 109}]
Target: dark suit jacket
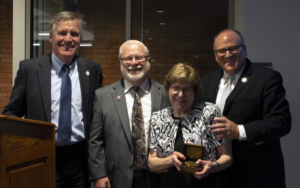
[
  {"x": 110, "y": 146},
  {"x": 31, "y": 94},
  {"x": 259, "y": 104}
]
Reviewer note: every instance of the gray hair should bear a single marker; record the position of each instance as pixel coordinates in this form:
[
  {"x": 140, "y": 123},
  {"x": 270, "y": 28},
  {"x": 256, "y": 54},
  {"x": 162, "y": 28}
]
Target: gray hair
[
  {"x": 64, "y": 16},
  {"x": 132, "y": 42}
]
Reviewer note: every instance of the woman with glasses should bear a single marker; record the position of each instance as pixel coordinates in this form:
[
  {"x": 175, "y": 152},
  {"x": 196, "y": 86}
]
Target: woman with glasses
[{"x": 187, "y": 121}]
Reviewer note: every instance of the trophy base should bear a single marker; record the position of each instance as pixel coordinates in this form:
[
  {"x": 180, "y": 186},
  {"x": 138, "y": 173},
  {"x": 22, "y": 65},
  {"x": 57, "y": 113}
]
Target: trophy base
[{"x": 190, "y": 167}]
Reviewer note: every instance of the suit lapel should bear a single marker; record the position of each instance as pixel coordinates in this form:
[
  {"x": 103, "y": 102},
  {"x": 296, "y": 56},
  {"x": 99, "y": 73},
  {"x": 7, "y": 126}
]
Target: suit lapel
[
  {"x": 84, "y": 78},
  {"x": 156, "y": 96},
  {"x": 215, "y": 82},
  {"x": 44, "y": 78},
  {"x": 240, "y": 85},
  {"x": 119, "y": 99}
]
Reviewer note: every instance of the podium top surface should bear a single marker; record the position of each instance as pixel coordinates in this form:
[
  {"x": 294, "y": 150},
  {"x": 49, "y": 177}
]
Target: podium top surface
[{"x": 24, "y": 120}]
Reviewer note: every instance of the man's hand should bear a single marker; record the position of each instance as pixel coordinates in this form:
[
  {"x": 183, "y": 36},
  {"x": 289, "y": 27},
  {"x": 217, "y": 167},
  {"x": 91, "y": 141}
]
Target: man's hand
[
  {"x": 228, "y": 128},
  {"x": 176, "y": 159},
  {"x": 102, "y": 183}
]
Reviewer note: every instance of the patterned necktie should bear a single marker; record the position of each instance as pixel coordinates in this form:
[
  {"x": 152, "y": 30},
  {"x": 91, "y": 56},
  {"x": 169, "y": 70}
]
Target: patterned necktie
[
  {"x": 64, "y": 122},
  {"x": 138, "y": 132},
  {"x": 226, "y": 92}
]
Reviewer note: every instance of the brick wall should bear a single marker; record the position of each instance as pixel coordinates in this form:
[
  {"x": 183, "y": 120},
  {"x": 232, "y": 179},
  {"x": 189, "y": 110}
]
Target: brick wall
[
  {"x": 5, "y": 52},
  {"x": 106, "y": 20},
  {"x": 182, "y": 33},
  {"x": 186, "y": 36}
]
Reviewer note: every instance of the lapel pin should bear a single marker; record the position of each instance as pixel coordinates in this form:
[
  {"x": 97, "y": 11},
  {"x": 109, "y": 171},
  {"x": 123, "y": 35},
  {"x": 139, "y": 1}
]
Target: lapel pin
[
  {"x": 87, "y": 73},
  {"x": 119, "y": 97},
  {"x": 244, "y": 80}
]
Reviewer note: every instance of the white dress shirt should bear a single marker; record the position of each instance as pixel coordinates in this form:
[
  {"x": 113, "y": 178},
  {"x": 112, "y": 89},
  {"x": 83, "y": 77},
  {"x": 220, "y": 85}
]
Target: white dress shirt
[
  {"x": 76, "y": 102},
  {"x": 222, "y": 85},
  {"x": 145, "y": 96}
]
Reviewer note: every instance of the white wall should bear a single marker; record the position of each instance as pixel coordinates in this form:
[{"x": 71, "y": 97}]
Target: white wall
[{"x": 271, "y": 30}]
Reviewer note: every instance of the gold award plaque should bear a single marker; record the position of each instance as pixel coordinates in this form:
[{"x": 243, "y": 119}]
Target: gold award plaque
[{"x": 193, "y": 152}]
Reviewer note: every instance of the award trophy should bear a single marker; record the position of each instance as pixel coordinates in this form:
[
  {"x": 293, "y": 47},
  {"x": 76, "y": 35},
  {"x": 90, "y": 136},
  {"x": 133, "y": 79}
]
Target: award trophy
[{"x": 193, "y": 152}]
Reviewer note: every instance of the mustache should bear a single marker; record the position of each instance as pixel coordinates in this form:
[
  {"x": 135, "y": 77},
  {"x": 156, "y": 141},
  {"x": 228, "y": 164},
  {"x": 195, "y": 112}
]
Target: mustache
[{"x": 130, "y": 68}]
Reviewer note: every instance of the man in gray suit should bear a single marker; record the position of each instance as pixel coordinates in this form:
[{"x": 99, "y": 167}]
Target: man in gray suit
[{"x": 114, "y": 158}]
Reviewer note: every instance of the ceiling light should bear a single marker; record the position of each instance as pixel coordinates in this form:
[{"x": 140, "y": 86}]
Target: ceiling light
[
  {"x": 86, "y": 44},
  {"x": 43, "y": 34}
]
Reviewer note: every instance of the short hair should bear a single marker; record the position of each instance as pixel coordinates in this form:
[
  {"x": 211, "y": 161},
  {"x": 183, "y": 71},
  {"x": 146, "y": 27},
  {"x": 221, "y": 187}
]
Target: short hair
[
  {"x": 233, "y": 30},
  {"x": 183, "y": 73},
  {"x": 132, "y": 42},
  {"x": 64, "y": 16}
]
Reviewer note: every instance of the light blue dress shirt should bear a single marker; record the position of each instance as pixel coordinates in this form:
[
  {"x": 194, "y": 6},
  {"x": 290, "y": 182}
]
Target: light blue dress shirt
[{"x": 76, "y": 101}]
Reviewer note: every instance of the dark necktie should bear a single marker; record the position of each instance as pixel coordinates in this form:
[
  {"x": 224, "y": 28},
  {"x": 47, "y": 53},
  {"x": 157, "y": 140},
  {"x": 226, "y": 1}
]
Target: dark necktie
[
  {"x": 64, "y": 123},
  {"x": 226, "y": 92},
  {"x": 138, "y": 132}
]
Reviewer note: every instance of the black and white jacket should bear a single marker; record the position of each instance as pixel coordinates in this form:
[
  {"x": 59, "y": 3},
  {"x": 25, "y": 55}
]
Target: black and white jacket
[{"x": 195, "y": 129}]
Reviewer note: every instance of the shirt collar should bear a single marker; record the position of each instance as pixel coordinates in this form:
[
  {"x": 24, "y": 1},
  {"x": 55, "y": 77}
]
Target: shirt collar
[
  {"x": 57, "y": 64},
  {"x": 237, "y": 76},
  {"x": 145, "y": 86}
]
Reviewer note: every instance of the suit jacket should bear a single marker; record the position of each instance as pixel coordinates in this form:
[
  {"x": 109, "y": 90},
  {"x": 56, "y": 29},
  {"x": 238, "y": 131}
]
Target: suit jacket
[
  {"x": 258, "y": 102},
  {"x": 31, "y": 94},
  {"x": 110, "y": 145}
]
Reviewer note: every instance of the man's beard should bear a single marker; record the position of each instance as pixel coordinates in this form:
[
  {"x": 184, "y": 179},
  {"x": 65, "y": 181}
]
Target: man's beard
[{"x": 128, "y": 75}]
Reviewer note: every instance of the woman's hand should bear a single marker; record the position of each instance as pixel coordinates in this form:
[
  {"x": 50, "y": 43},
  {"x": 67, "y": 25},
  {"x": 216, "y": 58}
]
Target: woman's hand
[
  {"x": 208, "y": 167},
  {"x": 159, "y": 165},
  {"x": 177, "y": 159}
]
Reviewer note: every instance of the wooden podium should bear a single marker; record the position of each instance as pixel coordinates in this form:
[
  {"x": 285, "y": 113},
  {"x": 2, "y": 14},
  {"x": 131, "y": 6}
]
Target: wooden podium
[{"x": 27, "y": 153}]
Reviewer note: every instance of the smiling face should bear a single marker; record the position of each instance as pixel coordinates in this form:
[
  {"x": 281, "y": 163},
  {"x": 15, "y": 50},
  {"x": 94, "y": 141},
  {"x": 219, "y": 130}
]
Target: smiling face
[
  {"x": 135, "y": 72},
  {"x": 231, "y": 63},
  {"x": 181, "y": 98},
  {"x": 66, "y": 40}
]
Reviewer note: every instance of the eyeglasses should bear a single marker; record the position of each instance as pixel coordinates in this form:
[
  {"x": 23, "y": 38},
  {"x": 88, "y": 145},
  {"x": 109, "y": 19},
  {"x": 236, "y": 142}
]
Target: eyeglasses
[
  {"x": 138, "y": 58},
  {"x": 233, "y": 49},
  {"x": 185, "y": 90}
]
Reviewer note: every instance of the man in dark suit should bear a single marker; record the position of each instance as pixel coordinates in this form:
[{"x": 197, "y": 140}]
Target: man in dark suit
[
  {"x": 59, "y": 88},
  {"x": 116, "y": 157},
  {"x": 256, "y": 114}
]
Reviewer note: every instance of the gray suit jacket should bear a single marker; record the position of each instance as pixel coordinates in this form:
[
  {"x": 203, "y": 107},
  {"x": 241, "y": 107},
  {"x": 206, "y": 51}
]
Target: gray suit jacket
[{"x": 110, "y": 146}]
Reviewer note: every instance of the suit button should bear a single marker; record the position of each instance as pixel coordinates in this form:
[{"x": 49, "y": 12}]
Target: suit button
[{"x": 131, "y": 167}]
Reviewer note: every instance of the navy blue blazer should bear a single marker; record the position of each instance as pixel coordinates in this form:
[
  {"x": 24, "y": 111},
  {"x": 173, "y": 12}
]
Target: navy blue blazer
[
  {"x": 258, "y": 102},
  {"x": 31, "y": 94}
]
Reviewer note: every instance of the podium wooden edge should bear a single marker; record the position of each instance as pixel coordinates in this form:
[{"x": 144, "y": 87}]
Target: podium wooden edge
[{"x": 26, "y": 120}]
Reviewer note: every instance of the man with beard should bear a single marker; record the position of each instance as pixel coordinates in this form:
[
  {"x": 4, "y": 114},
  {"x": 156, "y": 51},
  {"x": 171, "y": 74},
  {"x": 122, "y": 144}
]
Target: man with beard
[
  {"x": 59, "y": 88},
  {"x": 118, "y": 146}
]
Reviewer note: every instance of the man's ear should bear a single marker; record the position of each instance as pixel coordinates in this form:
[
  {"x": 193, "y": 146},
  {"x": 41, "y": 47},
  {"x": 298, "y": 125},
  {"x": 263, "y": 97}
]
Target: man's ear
[
  {"x": 149, "y": 59},
  {"x": 245, "y": 50},
  {"x": 119, "y": 62},
  {"x": 216, "y": 57},
  {"x": 50, "y": 37}
]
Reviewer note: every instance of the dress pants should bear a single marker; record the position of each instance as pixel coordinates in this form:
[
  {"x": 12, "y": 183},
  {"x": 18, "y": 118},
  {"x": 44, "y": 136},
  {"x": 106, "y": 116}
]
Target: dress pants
[
  {"x": 140, "y": 183},
  {"x": 71, "y": 167}
]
